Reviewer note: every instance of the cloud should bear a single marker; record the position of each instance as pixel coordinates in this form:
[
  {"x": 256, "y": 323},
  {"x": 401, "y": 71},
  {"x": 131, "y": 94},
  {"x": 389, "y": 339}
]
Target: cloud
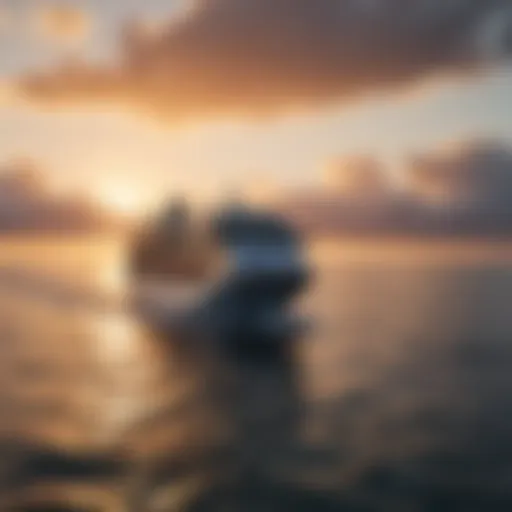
[
  {"x": 475, "y": 174},
  {"x": 357, "y": 175},
  {"x": 466, "y": 189},
  {"x": 28, "y": 204},
  {"x": 61, "y": 22},
  {"x": 9, "y": 94},
  {"x": 263, "y": 57}
]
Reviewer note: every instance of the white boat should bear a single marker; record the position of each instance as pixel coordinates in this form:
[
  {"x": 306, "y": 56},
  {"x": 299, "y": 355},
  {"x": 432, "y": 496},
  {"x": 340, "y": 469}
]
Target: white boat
[{"x": 232, "y": 274}]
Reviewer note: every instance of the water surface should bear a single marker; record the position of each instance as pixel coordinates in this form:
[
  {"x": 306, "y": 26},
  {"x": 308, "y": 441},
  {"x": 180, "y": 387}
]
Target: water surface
[{"x": 400, "y": 399}]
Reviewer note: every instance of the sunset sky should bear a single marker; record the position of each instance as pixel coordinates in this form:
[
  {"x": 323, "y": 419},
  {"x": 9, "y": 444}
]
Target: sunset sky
[{"x": 215, "y": 94}]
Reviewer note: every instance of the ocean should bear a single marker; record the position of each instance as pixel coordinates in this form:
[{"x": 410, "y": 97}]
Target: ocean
[{"x": 398, "y": 399}]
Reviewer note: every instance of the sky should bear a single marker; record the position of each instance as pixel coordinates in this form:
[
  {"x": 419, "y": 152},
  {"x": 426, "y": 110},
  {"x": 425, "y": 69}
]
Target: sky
[{"x": 279, "y": 108}]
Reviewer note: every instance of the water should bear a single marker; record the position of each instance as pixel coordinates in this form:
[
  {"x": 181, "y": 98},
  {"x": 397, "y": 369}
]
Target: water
[{"x": 399, "y": 400}]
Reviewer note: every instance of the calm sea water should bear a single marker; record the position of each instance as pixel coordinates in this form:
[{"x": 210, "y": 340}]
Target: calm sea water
[{"x": 400, "y": 399}]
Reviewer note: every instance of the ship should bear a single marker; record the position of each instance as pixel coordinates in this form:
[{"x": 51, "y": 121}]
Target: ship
[{"x": 233, "y": 274}]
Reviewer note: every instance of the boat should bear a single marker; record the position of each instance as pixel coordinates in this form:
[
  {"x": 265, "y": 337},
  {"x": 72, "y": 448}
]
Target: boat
[{"x": 233, "y": 274}]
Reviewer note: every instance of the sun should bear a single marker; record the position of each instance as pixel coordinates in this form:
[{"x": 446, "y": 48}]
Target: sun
[{"x": 121, "y": 198}]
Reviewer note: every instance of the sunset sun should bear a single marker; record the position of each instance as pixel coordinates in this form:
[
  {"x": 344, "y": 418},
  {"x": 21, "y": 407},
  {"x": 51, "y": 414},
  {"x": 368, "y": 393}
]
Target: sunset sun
[{"x": 120, "y": 198}]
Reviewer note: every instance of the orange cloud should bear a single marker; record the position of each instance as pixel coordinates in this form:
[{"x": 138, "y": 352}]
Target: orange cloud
[
  {"x": 360, "y": 174},
  {"x": 9, "y": 94},
  {"x": 62, "y": 22},
  {"x": 262, "y": 57}
]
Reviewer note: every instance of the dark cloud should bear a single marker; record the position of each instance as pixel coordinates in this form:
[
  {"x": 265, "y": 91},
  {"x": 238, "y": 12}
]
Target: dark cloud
[
  {"x": 259, "y": 57},
  {"x": 467, "y": 189},
  {"x": 474, "y": 173},
  {"x": 28, "y": 204}
]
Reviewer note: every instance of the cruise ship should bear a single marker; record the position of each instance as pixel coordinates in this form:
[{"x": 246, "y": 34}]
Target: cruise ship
[{"x": 232, "y": 274}]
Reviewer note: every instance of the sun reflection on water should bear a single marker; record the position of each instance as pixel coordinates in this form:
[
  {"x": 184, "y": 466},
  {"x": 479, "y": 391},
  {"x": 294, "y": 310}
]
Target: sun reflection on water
[{"x": 113, "y": 273}]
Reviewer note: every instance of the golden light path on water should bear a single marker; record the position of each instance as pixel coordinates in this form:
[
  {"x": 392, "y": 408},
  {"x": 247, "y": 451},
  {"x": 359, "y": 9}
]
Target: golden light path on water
[
  {"x": 112, "y": 342},
  {"x": 115, "y": 342},
  {"x": 107, "y": 344},
  {"x": 120, "y": 347}
]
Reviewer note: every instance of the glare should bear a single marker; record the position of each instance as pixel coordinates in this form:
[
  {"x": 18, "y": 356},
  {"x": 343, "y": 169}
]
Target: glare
[
  {"x": 121, "y": 198},
  {"x": 117, "y": 339}
]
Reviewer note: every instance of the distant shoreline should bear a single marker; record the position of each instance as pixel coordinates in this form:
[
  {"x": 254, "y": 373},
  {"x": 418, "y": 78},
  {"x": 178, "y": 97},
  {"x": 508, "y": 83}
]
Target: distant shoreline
[
  {"x": 372, "y": 238},
  {"x": 89, "y": 249},
  {"x": 405, "y": 237}
]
